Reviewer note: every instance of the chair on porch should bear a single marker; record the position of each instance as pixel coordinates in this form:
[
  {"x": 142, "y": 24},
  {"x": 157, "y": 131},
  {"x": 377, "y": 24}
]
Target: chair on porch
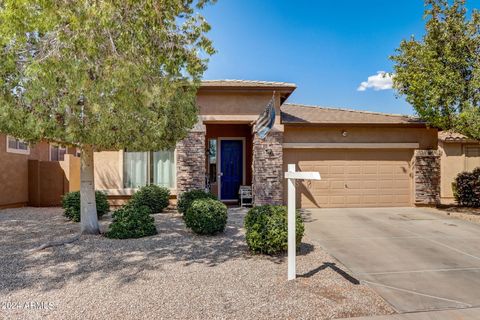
[{"x": 245, "y": 193}]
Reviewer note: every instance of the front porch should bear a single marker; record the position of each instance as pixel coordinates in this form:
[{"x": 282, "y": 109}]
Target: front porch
[
  {"x": 228, "y": 159},
  {"x": 221, "y": 157}
]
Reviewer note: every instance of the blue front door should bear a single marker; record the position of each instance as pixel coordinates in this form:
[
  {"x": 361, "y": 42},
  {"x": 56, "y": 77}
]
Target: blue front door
[{"x": 231, "y": 167}]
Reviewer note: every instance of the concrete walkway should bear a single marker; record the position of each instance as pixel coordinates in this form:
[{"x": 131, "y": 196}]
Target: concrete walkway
[
  {"x": 461, "y": 314},
  {"x": 416, "y": 259}
]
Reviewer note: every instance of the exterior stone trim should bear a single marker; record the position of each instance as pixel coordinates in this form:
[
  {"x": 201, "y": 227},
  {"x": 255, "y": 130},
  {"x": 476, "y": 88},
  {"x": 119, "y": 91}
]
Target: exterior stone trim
[
  {"x": 267, "y": 169},
  {"x": 191, "y": 160},
  {"x": 427, "y": 177}
]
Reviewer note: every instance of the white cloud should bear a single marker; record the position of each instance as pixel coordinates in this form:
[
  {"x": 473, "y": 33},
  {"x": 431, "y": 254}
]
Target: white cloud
[{"x": 381, "y": 81}]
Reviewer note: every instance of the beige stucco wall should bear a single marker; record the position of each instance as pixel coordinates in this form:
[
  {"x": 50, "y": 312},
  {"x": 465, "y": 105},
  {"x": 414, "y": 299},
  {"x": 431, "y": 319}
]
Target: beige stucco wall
[
  {"x": 224, "y": 106},
  {"x": 71, "y": 168},
  {"x": 234, "y": 103},
  {"x": 427, "y": 138},
  {"x": 14, "y": 172},
  {"x": 453, "y": 161},
  {"x": 108, "y": 170},
  {"x": 236, "y": 107}
]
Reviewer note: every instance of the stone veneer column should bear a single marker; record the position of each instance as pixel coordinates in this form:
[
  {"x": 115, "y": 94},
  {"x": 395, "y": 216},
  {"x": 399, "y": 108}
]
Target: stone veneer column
[
  {"x": 191, "y": 160},
  {"x": 427, "y": 177},
  {"x": 267, "y": 169}
]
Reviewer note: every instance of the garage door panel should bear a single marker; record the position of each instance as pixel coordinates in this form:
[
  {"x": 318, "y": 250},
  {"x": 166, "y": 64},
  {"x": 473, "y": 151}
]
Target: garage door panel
[
  {"x": 337, "y": 200},
  {"x": 319, "y": 185},
  {"x": 369, "y": 169},
  {"x": 370, "y": 184},
  {"x": 354, "y": 169},
  {"x": 354, "y": 178},
  {"x": 337, "y": 169},
  {"x": 371, "y": 199},
  {"x": 352, "y": 184},
  {"x": 402, "y": 199},
  {"x": 386, "y": 169},
  {"x": 337, "y": 185},
  {"x": 353, "y": 200}
]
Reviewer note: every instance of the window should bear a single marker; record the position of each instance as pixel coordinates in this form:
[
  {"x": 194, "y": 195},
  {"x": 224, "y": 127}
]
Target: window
[
  {"x": 57, "y": 152},
  {"x": 17, "y": 146},
  {"x": 212, "y": 160},
  {"x": 154, "y": 167}
]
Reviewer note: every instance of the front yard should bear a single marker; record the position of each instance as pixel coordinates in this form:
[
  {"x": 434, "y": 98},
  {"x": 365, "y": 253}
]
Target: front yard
[
  {"x": 462, "y": 213},
  {"x": 174, "y": 274}
]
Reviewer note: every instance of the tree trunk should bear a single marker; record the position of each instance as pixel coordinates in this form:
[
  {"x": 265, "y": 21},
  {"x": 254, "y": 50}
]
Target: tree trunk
[{"x": 88, "y": 207}]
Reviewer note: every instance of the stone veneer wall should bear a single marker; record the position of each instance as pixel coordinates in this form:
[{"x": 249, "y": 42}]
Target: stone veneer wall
[
  {"x": 427, "y": 177},
  {"x": 267, "y": 165},
  {"x": 191, "y": 160}
]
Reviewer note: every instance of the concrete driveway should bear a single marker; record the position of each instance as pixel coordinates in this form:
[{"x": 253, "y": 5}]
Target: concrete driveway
[{"x": 416, "y": 259}]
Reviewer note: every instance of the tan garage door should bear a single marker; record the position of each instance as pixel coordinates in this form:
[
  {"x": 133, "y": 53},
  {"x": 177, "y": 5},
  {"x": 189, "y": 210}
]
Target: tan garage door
[{"x": 353, "y": 177}]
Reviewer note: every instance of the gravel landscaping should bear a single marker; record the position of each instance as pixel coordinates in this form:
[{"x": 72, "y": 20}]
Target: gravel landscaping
[
  {"x": 463, "y": 213},
  {"x": 173, "y": 275}
]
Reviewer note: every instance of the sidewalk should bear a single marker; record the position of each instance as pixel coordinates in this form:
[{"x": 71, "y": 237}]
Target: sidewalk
[{"x": 457, "y": 314}]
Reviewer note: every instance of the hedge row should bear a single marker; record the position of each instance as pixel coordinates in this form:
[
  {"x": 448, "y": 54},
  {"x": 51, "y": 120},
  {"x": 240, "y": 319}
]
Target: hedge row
[{"x": 266, "y": 226}]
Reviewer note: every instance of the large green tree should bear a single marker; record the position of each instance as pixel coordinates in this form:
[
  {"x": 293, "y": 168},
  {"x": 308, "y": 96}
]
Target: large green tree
[
  {"x": 440, "y": 74},
  {"x": 101, "y": 75}
]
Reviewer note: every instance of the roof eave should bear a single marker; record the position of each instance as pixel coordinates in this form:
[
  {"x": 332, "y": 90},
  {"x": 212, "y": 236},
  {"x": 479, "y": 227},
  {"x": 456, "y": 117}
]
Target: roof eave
[
  {"x": 368, "y": 124},
  {"x": 284, "y": 91},
  {"x": 452, "y": 140}
]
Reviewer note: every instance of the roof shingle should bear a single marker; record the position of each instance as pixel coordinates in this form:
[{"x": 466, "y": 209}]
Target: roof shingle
[
  {"x": 450, "y": 136},
  {"x": 246, "y": 84},
  {"x": 297, "y": 113}
]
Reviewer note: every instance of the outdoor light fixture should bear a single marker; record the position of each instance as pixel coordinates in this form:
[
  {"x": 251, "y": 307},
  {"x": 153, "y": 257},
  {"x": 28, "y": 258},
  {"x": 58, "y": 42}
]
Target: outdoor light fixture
[
  {"x": 344, "y": 133},
  {"x": 269, "y": 151}
]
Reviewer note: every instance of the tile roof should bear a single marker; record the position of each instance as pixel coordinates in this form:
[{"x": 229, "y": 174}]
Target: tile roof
[
  {"x": 450, "y": 136},
  {"x": 297, "y": 113},
  {"x": 246, "y": 84}
]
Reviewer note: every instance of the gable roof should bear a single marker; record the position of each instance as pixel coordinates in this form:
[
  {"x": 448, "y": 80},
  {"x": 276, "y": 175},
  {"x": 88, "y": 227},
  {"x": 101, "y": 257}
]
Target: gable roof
[{"x": 304, "y": 114}]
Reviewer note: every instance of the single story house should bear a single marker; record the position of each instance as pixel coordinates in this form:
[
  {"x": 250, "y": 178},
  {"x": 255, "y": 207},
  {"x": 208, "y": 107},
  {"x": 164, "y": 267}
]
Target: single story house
[
  {"x": 459, "y": 154},
  {"x": 36, "y": 175},
  {"x": 365, "y": 159}
]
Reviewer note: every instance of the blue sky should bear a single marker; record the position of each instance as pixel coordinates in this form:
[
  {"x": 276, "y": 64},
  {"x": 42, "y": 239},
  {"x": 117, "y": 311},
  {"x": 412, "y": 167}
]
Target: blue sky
[{"x": 328, "y": 48}]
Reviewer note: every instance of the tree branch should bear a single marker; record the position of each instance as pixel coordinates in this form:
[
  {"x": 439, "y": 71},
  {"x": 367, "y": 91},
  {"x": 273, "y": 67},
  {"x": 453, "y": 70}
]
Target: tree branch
[{"x": 56, "y": 243}]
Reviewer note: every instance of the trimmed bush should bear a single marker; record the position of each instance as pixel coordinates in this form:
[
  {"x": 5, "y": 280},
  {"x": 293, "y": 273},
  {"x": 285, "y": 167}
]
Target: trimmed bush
[
  {"x": 188, "y": 197},
  {"x": 152, "y": 196},
  {"x": 71, "y": 204},
  {"x": 466, "y": 188},
  {"x": 132, "y": 221},
  {"x": 206, "y": 216},
  {"x": 267, "y": 229}
]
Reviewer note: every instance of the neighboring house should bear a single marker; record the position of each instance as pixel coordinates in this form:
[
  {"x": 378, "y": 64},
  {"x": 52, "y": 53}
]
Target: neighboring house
[
  {"x": 459, "y": 154},
  {"x": 14, "y": 156},
  {"x": 365, "y": 159},
  {"x": 34, "y": 175}
]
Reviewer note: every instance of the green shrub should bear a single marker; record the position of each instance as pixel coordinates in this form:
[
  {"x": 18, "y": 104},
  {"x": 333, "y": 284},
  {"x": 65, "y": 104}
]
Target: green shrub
[
  {"x": 132, "y": 221},
  {"x": 188, "y": 197},
  {"x": 71, "y": 204},
  {"x": 206, "y": 216},
  {"x": 152, "y": 196},
  {"x": 267, "y": 229},
  {"x": 466, "y": 188}
]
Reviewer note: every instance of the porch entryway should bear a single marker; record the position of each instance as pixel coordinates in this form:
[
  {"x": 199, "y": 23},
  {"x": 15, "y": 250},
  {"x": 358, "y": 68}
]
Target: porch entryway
[{"x": 229, "y": 159}]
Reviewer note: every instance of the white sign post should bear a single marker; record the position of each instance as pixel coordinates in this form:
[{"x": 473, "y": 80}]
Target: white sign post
[{"x": 291, "y": 175}]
